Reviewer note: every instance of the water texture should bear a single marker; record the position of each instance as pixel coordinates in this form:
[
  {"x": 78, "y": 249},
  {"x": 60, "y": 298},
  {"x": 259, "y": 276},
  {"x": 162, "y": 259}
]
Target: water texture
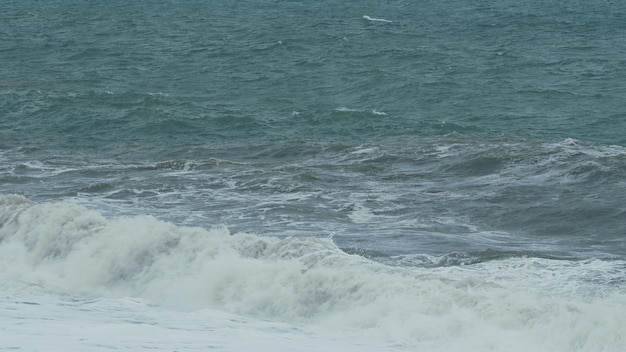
[{"x": 430, "y": 174}]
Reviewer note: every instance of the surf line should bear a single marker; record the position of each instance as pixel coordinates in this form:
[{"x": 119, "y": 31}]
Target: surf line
[{"x": 376, "y": 19}]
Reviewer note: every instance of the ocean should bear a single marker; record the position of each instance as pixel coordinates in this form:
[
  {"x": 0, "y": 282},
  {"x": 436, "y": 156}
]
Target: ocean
[{"x": 313, "y": 176}]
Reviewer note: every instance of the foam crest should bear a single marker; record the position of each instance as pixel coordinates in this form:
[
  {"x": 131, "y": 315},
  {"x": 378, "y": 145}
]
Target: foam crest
[
  {"x": 376, "y": 19},
  {"x": 303, "y": 281}
]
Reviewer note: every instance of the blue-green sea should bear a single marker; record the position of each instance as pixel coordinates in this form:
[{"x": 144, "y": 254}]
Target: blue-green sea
[{"x": 394, "y": 175}]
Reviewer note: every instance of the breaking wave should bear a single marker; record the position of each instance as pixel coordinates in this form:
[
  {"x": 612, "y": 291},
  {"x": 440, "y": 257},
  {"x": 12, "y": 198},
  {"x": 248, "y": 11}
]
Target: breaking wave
[{"x": 62, "y": 247}]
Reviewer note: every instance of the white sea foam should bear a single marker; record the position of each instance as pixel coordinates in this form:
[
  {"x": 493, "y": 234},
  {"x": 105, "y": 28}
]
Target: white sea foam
[
  {"x": 64, "y": 249},
  {"x": 376, "y": 19},
  {"x": 345, "y": 109},
  {"x": 361, "y": 214},
  {"x": 55, "y": 323},
  {"x": 374, "y": 111},
  {"x": 365, "y": 149}
]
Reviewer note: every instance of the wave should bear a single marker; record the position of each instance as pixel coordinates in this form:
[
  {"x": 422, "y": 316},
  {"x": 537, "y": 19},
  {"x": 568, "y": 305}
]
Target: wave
[
  {"x": 562, "y": 198},
  {"x": 373, "y": 112},
  {"x": 61, "y": 247},
  {"x": 376, "y": 19}
]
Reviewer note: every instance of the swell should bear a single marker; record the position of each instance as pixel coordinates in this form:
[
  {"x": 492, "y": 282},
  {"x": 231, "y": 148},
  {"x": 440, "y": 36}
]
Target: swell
[{"x": 437, "y": 194}]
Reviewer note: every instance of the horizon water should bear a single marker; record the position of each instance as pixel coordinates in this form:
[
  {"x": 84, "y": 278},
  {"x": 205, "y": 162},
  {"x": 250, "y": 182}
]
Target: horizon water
[{"x": 287, "y": 175}]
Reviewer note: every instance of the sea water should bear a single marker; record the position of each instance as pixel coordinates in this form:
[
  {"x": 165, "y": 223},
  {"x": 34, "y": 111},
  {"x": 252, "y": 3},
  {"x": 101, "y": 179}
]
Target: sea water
[{"x": 288, "y": 175}]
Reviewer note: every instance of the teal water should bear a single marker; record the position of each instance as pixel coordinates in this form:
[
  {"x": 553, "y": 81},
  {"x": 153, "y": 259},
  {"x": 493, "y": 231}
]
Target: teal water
[
  {"x": 203, "y": 72},
  {"x": 395, "y": 126},
  {"x": 418, "y": 175}
]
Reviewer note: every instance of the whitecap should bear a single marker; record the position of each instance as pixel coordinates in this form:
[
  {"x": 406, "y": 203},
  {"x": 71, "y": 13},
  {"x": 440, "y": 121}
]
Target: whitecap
[
  {"x": 293, "y": 281},
  {"x": 376, "y": 19}
]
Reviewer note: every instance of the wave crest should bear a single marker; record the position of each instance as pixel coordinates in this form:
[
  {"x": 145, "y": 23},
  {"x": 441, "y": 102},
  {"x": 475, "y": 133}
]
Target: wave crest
[{"x": 67, "y": 248}]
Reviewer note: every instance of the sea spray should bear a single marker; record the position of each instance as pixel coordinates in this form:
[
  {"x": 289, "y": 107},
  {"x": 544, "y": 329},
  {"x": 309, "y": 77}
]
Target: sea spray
[{"x": 302, "y": 281}]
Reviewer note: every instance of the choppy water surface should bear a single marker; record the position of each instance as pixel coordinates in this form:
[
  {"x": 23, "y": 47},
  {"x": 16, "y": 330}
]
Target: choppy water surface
[{"x": 429, "y": 174}]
